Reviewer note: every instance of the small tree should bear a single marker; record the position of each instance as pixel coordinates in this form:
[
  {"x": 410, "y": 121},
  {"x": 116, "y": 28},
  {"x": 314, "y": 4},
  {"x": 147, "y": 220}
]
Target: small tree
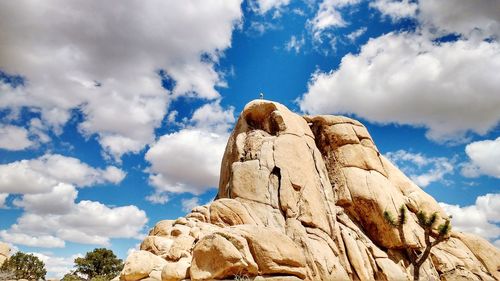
[
  {"x": 427, "y": 223},
  {"x": 24, "y": 266},
  {"x": 99, "y": 263}
]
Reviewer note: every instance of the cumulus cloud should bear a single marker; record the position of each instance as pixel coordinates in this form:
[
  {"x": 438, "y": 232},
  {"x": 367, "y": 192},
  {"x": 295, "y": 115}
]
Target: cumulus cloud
[
  {"x": 406, "y": 78},
  {"x": 421, "y": 169},
  {"x": 396, "y": 9},
  {"x": 483, "y": 157},
  {"x": 460, "y": 16},
  {"x": 56, "y": 266},
  {"x": 186, "y": 161},
  {"x": 39, "y": 175},
  {"x": 480, "y": 218},
  {"x": 189, "y": 160},
  {"x": 14, "y": 138},
  {"x": 114, "y": 60},
  {"x": 329, "y": 16},
  {"x": 44, "y": 241},
  {"x": 52, "y": 218},
  {"x": 264, "y": 6}
]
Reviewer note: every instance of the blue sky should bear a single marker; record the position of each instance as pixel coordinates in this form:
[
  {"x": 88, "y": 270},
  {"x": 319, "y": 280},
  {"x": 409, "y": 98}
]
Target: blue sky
[{"x": 113, "y": 117}]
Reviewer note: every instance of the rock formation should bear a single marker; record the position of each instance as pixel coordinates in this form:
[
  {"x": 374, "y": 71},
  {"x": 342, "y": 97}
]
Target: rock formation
[
  {"x": 302, "y": 198},
  {"x": 4, "y": 252}
]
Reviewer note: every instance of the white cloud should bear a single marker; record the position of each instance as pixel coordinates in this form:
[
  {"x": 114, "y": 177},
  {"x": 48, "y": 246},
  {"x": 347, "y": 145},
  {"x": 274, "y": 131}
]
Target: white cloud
[
  {"x": 421, "y": 169},
  {"x": 264, "y": 6},
  {"x": 51, "y": 219},
  {"x": 479, "y": 219},
  {"x": 186, "y": 161},
  {"x": 461, "y": 16},
  {"x": 44, "y": 241},
  {"x": 484, "y": 159},
  {"x": 57, "y": 267},
  {"x": 189, "y": 204},
  {"x": 405, "y": 78},
  {"x": 212, "y": 117},
  {"x": 329, "y": 16},
  {"x": 396, "y": 9},
  {"x": 353, "y": 36},
  {"x": 189, "y": 160},
  {"x": 113, "y": 61},
  {"x": 295, "y": 44},
  {"x": 14, "y": 138},
  {"x": 39, "y": 175},
  {"x": 59, "y": 201}
]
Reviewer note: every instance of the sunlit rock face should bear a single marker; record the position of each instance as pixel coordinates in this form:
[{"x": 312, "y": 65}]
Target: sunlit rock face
[
  {"x": 302, "y": 198},
  {"x": 4, "y": 252}
]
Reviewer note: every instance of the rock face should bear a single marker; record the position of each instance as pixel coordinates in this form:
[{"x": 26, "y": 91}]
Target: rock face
[
  {"x": 4, "y": 252},
  {"x": 302, "y": 198}
]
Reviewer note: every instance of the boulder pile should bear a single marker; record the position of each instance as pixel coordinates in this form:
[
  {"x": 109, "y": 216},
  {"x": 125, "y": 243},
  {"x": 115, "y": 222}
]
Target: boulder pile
[{"x": 302, "y": 198}]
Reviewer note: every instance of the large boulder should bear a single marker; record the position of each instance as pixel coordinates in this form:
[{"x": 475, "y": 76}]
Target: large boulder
[{"x": 302, "y": 198}]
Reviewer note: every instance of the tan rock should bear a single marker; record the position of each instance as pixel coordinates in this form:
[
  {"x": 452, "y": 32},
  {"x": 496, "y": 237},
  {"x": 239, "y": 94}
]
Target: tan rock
[
  {"x": 175, "y": 271},
  {"x": 4, "y": 249},
  {"x": 140, "y": 264},
  {"x": 181, "y": 247},
  {"x": 157, "y": 245},
  {"x": 2, "y": 259},
  {"x": 486, "y": 253},
  {"x": 220, "y": 255},
  {"x": 162, "y": 228},
  {"x": 273, "y": 251}
]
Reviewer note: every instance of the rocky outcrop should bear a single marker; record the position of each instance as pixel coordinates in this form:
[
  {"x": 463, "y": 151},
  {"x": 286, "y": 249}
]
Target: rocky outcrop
[
  {"x": 4, "y": 252},
  {"x": 302, "y": 198}
]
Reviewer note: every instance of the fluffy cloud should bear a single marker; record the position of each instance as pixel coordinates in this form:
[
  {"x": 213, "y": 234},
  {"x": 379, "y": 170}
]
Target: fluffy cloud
[
  {"x": 328, "y": 16},
  {"x": 186, "y": 161},
  {"x": 480, "y": 219},
  {"x": 41, "y": 174},
  {"x": 461, "y": 17},
  {"x": 46, "y": 241},
  {"x": 14, "y": 138},
  {"x": 396, "y": 9},
  {"x": 114, "y": 60},
  {"x": 57, "y": 267},
  {"x": 467, "y": 18},
  {"x": 406, "y": 78},
  {"x": 189, "y": 160},
  {"x": 484, "y": 157},
  {"x": 51, "y": 214},
  {"x": 421, "y": 169},
  {"x": 264, "y": 6},
  {"x": 52, "y": 218}
]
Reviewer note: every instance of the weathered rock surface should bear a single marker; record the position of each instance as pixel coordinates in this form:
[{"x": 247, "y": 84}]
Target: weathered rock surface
[
  {"x": 302, "y": 198},
  {"x": 4, "y": 252}
]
